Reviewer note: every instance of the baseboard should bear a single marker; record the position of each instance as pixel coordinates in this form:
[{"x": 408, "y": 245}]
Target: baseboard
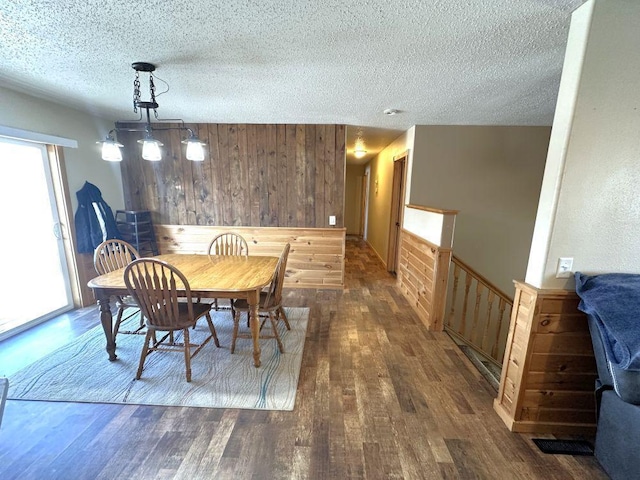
[
  {"x": 559, "y": 428},
  {"x": 377, "y": 254}
]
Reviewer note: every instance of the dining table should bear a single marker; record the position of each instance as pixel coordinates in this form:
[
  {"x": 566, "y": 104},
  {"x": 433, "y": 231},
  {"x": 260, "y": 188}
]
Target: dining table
[{"x": 209, "y": 276}]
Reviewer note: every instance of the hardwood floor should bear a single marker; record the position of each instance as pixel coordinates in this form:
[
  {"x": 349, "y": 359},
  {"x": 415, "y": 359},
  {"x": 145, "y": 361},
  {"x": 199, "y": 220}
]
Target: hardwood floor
[{"x": 379, "y": 397}]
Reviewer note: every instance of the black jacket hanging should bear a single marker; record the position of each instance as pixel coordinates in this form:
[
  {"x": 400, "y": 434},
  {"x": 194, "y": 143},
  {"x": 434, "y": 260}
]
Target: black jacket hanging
[{"x": 94, "y": 219}]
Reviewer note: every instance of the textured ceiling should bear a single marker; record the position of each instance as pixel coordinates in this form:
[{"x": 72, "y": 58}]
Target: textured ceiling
[{"x": 488, "y": 62}]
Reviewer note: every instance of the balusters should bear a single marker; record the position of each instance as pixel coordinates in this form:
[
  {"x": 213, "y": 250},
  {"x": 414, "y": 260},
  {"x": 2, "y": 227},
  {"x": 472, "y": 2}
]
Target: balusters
[
  {"x": 467, "y": 286},
  {"x": 454, "y": 294},
  {"x": 486, "y": 325},
  {"x": 485, "y": 335},
  {"x": 476, "y": 309},
  {"x": 502, "y": 306}
]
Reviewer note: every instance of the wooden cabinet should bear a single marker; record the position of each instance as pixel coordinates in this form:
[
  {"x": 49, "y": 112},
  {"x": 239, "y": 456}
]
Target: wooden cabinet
[{"x": 548, "y": 372}]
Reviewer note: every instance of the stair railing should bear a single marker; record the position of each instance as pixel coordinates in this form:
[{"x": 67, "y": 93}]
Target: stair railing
[{"x": 478, "y": 312}]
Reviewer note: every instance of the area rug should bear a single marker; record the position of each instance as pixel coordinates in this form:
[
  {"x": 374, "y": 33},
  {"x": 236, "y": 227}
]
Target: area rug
[{"x": 81, "y": 371}]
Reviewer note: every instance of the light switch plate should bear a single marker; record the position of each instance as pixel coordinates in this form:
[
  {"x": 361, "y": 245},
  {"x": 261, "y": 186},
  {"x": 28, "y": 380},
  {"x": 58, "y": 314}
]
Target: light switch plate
[
  {"x": 332, "y": 220},
  {"x": 565, "y": 265}
]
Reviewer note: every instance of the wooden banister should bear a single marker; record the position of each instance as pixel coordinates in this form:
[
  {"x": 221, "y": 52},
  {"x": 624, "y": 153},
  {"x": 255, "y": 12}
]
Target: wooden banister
[{"x": 485, "y": 331}]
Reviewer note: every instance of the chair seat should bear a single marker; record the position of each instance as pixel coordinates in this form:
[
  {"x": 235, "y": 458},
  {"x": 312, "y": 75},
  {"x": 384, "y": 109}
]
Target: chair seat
[
  {"x": 243, "y": 305},
  {"x": 199, "y": 309}
]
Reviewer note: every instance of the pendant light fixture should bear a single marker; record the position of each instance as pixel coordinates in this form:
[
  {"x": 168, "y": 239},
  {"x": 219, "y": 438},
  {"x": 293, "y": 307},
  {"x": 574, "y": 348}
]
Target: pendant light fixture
[{"x": 151, "y": 151}]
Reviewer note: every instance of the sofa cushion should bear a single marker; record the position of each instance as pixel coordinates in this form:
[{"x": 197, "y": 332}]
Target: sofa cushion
[
  {"x": 618, "y": 437},
  {"x": 612, "y": 304}
]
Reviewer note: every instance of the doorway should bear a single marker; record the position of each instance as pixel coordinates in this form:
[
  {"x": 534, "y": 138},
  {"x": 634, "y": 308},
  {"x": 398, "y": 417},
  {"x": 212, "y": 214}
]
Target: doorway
[
  {"x": 35, "y": 277},
  {"x": 397, "y": 209}
]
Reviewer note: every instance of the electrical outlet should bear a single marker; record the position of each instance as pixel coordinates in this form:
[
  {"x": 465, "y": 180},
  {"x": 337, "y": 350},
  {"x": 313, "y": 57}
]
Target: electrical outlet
[
  {"x": 332, "y": 220},
  {"x": 565, "y": 264}
]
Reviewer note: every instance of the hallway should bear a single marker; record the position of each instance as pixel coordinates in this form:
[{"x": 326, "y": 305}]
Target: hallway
[{"x": 379, "y": 397}]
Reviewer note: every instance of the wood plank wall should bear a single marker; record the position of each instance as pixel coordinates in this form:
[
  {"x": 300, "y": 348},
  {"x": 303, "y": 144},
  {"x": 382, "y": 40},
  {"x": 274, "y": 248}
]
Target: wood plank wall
[
  {"x": 549, "y": 369},
  {"x": 423, "y": 271},
  {"x": 253, "y": 175},
  {"x": 316, "y": 259},
  {"x": 85, "y": 272}
]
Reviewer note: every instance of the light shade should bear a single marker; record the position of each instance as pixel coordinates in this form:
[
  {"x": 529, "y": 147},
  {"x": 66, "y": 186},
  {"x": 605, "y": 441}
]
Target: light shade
[
  {"x": 111, "y": 150},
  {"x": 359, "y": 153},
  {"x": 151, "y": 148},
  {"x": 195, "y": 150}
]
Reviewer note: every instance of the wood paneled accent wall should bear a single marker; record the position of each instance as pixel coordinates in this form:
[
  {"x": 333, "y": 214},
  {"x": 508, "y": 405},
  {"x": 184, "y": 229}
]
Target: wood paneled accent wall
[
  {"x": 423, "y": 271},
  {"x": 549, "y": 369},
  {"x": 252, "y": 175},
  {"x": 85, "y": 272},
  {"x": 316, "y": 259}
]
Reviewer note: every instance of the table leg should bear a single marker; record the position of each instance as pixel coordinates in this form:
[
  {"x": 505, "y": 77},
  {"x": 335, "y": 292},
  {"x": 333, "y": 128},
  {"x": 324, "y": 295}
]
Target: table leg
[
  {"x": 107, "y": 325},
  {"x": 253, "y": 299}
]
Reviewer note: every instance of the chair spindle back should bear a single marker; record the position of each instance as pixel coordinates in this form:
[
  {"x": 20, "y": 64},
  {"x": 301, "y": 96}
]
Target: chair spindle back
[
  {"x": 275, "y": 288},
  {"x": 154, "y": 284},
  {"x": 228, "y": 244},
  {"x": 112, "y": 255}
]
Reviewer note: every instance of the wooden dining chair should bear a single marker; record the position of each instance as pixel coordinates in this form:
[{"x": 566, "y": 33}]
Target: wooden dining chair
[
  {"x": 270, "y": 306},
  {"x": 158, "y": 286},
  {"x": 229, "y": 243},
  {"x": 113, "y": 255}
]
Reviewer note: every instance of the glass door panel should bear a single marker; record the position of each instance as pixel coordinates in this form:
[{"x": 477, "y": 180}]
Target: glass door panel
[{"x": 35, "y": 281}]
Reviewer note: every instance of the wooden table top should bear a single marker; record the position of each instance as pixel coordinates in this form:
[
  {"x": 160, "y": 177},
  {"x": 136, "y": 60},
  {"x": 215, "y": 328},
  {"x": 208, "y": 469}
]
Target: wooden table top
[{"x": 208, "y": 274}]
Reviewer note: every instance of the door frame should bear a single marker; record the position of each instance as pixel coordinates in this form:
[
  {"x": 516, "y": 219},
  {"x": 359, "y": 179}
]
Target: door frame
[
  {"x": 398, "y": 190},
  {"x": 364, "y": 199},
  {"x": 67, "y": 228}
]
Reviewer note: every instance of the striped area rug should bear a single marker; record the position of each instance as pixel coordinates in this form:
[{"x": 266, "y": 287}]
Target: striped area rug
[{"x": 81, "y": 371}]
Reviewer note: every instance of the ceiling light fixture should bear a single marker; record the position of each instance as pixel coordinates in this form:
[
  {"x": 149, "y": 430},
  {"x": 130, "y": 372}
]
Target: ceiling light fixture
[
  {"x": 391, "y": 111},
  {"x": 111, "y": 148},
  {"x": 359, "y": 153},
  {"x": 359, "y": 150}
]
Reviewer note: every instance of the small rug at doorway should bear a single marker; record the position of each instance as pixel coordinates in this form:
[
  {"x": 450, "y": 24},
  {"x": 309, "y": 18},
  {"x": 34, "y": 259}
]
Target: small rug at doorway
[
  {"x": 81, "y": 371},
  {"x": 556, "y": 446}
]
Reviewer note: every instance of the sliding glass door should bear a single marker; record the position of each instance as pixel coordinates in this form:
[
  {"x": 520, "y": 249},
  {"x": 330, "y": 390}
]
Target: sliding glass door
[{"x": 34, "y": 281}]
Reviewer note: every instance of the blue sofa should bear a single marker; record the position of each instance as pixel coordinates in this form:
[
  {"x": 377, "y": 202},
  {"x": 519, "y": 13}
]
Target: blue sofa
[{"x": 612, "y": 303}]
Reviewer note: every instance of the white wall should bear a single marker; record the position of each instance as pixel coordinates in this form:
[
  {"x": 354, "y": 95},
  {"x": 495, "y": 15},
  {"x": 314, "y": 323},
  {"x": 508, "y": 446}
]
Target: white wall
[
  {"x": 590, "y": 208},
  {"x": 83, "y": 163},
  {"x": 434, "y": 227},
  {"x": 492, "y": 176}
]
